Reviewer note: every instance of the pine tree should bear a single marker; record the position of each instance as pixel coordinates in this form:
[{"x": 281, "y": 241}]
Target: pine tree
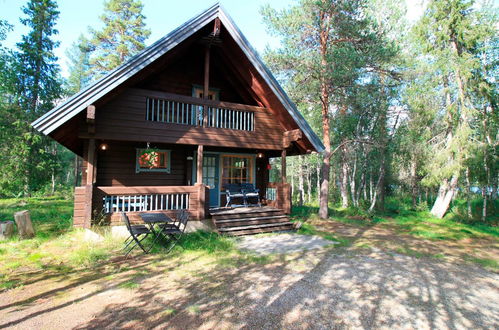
[
  {"x": 123, "y": 35},
  {"x": 79, "y": 65},
  {"x": 329, "y": 47},
  {"x": 39, "y": 83},
  {"x": 27, "y": 158}
]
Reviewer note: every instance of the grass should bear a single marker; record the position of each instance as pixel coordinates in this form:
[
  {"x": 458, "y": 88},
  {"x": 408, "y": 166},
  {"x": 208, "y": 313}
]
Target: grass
[
  {"x": 58, "y": 248},
  {"x": 399, "y": 227},
  {"x": 51, "y": 216},
  {"x": 416, "y": 223},
  {"x": 308, "y": 229}
]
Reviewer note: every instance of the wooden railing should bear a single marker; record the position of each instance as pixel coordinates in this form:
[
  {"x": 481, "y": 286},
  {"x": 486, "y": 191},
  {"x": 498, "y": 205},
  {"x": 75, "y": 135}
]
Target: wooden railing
[
  {"x": 184, "y": 110},
  {"x": 271, "y": 193},
  {"x": 110, "y": 201},
  {"x": 278, "y": 195},
  {"x": 148, "y": 202}
]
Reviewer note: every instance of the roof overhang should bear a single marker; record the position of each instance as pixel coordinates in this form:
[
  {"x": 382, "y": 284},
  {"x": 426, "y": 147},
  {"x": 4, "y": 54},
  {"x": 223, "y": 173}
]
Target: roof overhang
[{"x": 68, "y": 109}]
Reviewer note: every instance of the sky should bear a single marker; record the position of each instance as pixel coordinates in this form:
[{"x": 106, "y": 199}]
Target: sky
[{"x": 162, "y": 16}]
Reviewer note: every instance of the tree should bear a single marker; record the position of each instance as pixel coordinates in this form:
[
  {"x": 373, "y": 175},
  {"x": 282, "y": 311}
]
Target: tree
[
  {"x": 39, "y": 83},
  {"x": 450, "y": 33},
  {"x": 330, "y": 48},
  {"x": 123, "y": 35},
  {"x": 79, "y": 65},
  {"x": 27, "y": 158}
]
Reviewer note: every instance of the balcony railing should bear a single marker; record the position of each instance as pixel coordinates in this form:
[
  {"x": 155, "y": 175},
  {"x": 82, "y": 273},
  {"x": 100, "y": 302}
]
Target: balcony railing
[{"x": 183, "y": 110}]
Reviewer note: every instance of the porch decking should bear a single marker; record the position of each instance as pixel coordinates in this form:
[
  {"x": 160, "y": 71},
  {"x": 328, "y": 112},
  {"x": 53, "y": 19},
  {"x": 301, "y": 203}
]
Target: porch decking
[{"x": 250, "y": 220}]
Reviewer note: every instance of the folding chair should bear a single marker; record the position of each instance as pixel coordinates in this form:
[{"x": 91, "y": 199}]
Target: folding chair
[
  {"x": 249, "y": 192},
  {"x": 175, "y": 230},
  {"x": 137, "y": 234}
]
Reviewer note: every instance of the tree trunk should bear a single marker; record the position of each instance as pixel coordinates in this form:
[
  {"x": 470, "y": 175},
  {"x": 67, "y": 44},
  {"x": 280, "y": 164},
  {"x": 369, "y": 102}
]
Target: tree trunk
[
  {"x": 484, "y": 208},
  {"x": 344, "y": 179},
  {"x": 468, "y": 194},
  {"x": 414, "y": 183},
  {"x": 371, "y": 190},
  {"x": 326, "y": 165},
  {"x": 353, "y": 185},
  {"x": 445, "y": 195},
  {"x": 300, "y": 181},
  {"x": 318, "y": 174},
  {"x": 379, "y": 188},
  {"x": 309, "y": 184},
  {"x": 52, "y": 186}
]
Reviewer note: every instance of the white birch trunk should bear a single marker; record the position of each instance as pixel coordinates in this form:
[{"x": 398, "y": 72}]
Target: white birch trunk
[{"x": 445, "y": 195}]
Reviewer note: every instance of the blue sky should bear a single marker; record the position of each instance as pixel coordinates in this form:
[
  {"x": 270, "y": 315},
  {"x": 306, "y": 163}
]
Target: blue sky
[{"x": 162, "y": 16}]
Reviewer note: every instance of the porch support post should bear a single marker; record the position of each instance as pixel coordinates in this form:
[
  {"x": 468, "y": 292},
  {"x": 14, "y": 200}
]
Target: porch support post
[
  {"x": 199, "y": 168},
  {"x": 199, "y": 183},
  {"x": 283, "y": 165},
  {"x": 90, "y": 162},
  {"x": 90, "y": 159}
]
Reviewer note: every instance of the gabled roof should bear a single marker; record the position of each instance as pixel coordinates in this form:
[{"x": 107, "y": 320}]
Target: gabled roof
[{"x": 77, "y": 103}]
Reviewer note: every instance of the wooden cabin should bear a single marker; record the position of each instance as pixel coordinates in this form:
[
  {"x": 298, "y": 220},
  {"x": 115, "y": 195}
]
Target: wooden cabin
[{"x": 168, "y": 128}]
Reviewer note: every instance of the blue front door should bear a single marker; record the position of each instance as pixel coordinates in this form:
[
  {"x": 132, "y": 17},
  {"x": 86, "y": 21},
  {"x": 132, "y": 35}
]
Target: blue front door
[{"x": 211, "y": 177}]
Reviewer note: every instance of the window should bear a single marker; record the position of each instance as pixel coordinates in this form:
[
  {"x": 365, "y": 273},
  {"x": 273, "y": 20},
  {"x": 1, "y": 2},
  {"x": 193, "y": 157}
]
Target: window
[
  {"x": 213, "y": 93},
  {"x": 237, "y": 169},
  {"x": 153, "y": 160}
]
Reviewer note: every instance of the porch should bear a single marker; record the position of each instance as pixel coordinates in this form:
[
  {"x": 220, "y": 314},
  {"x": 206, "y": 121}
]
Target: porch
[{"x": 107, "y": 202}]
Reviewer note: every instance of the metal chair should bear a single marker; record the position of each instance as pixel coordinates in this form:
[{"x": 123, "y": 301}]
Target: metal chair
[
  {"x": 249, "y": 191},
  {"x": 137, "y": 234},
  {"x": 233, "y": 191},
  {"x": 175, "y": 230}
]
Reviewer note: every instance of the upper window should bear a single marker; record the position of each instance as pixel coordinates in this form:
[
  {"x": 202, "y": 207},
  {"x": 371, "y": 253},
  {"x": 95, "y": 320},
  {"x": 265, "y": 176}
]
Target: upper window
[
  {"x": 213, "y": 93},
  {"x": 153, "y": 160}
]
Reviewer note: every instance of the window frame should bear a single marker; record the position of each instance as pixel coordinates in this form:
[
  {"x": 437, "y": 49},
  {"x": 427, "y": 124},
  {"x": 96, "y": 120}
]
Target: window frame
[
  {"x": 250, "y": 168},
  {"x": 167, "y": 169}
]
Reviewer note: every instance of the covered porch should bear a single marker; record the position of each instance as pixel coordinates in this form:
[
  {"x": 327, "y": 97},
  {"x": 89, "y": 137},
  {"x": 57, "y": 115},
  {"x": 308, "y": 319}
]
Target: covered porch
[{"x": 201, "y": 192}]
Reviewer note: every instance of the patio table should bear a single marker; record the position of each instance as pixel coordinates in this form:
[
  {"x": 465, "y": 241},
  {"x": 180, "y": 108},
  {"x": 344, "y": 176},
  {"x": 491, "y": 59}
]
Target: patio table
[{"x": 151, "y": 219}]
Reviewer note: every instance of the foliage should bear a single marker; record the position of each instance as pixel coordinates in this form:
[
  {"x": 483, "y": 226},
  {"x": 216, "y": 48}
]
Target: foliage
[
  {"x": 122, "y": 36},
  {"x": 30, "y": 86},
  {"x": 335, "y": 61},
  {"x": 79, "y": 65},
  {"x": 407, "y": 111}
]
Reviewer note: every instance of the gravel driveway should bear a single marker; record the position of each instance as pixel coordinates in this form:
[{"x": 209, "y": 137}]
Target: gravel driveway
[{"x": 319, "y": 289}]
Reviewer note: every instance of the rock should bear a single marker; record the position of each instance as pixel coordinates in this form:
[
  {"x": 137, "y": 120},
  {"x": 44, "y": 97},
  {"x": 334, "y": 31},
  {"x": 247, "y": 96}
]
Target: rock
[
  {"x": 6, "y": 230},
  {"x": 24, "y": 225},
  {"x": 91, "y": 236},
  {"x": 119, "y": 232}
]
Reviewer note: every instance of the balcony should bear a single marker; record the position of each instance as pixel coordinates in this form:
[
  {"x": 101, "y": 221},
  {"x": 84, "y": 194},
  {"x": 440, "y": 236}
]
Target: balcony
[{"x": 185, "y": 110}]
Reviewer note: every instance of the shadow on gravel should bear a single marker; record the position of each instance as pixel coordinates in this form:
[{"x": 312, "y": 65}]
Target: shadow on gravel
[
  {"x": 339, "y": 290},
  {"x": 322, "y": 288}
]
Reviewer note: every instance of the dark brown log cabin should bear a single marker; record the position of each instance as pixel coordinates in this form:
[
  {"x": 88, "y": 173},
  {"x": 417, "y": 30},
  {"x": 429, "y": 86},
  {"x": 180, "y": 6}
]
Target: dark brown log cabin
[{"x": 165, "y": 130}]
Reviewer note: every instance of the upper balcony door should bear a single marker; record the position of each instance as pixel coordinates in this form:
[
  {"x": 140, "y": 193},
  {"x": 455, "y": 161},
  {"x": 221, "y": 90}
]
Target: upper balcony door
[{"x": 213, "y": 94}]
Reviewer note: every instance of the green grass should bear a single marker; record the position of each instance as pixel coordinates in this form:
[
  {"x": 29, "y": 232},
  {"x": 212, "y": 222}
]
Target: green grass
[
  {"x": 416, "y": 223},
  {"x": 308, "y": 229},
  {"x": 56, "y": 245},
  {"x": 422, "y": 224},
  {"x": 484, "y": 262},
  {"x": 51, "y": 216},
  {"x": 131, "y": 285}
]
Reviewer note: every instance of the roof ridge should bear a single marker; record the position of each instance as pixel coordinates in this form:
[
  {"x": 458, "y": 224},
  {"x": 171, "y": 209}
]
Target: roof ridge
[{"x": 75, "y": 104}]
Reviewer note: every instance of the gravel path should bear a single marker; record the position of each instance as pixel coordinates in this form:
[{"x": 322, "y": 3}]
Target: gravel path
[
  {"x": 282, "y": 243},
  {"x": 319, "y": 289}
]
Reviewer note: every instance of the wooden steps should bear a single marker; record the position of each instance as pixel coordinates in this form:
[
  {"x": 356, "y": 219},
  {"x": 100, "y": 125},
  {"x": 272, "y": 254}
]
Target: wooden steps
[{"x": 248, "y": 221}]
